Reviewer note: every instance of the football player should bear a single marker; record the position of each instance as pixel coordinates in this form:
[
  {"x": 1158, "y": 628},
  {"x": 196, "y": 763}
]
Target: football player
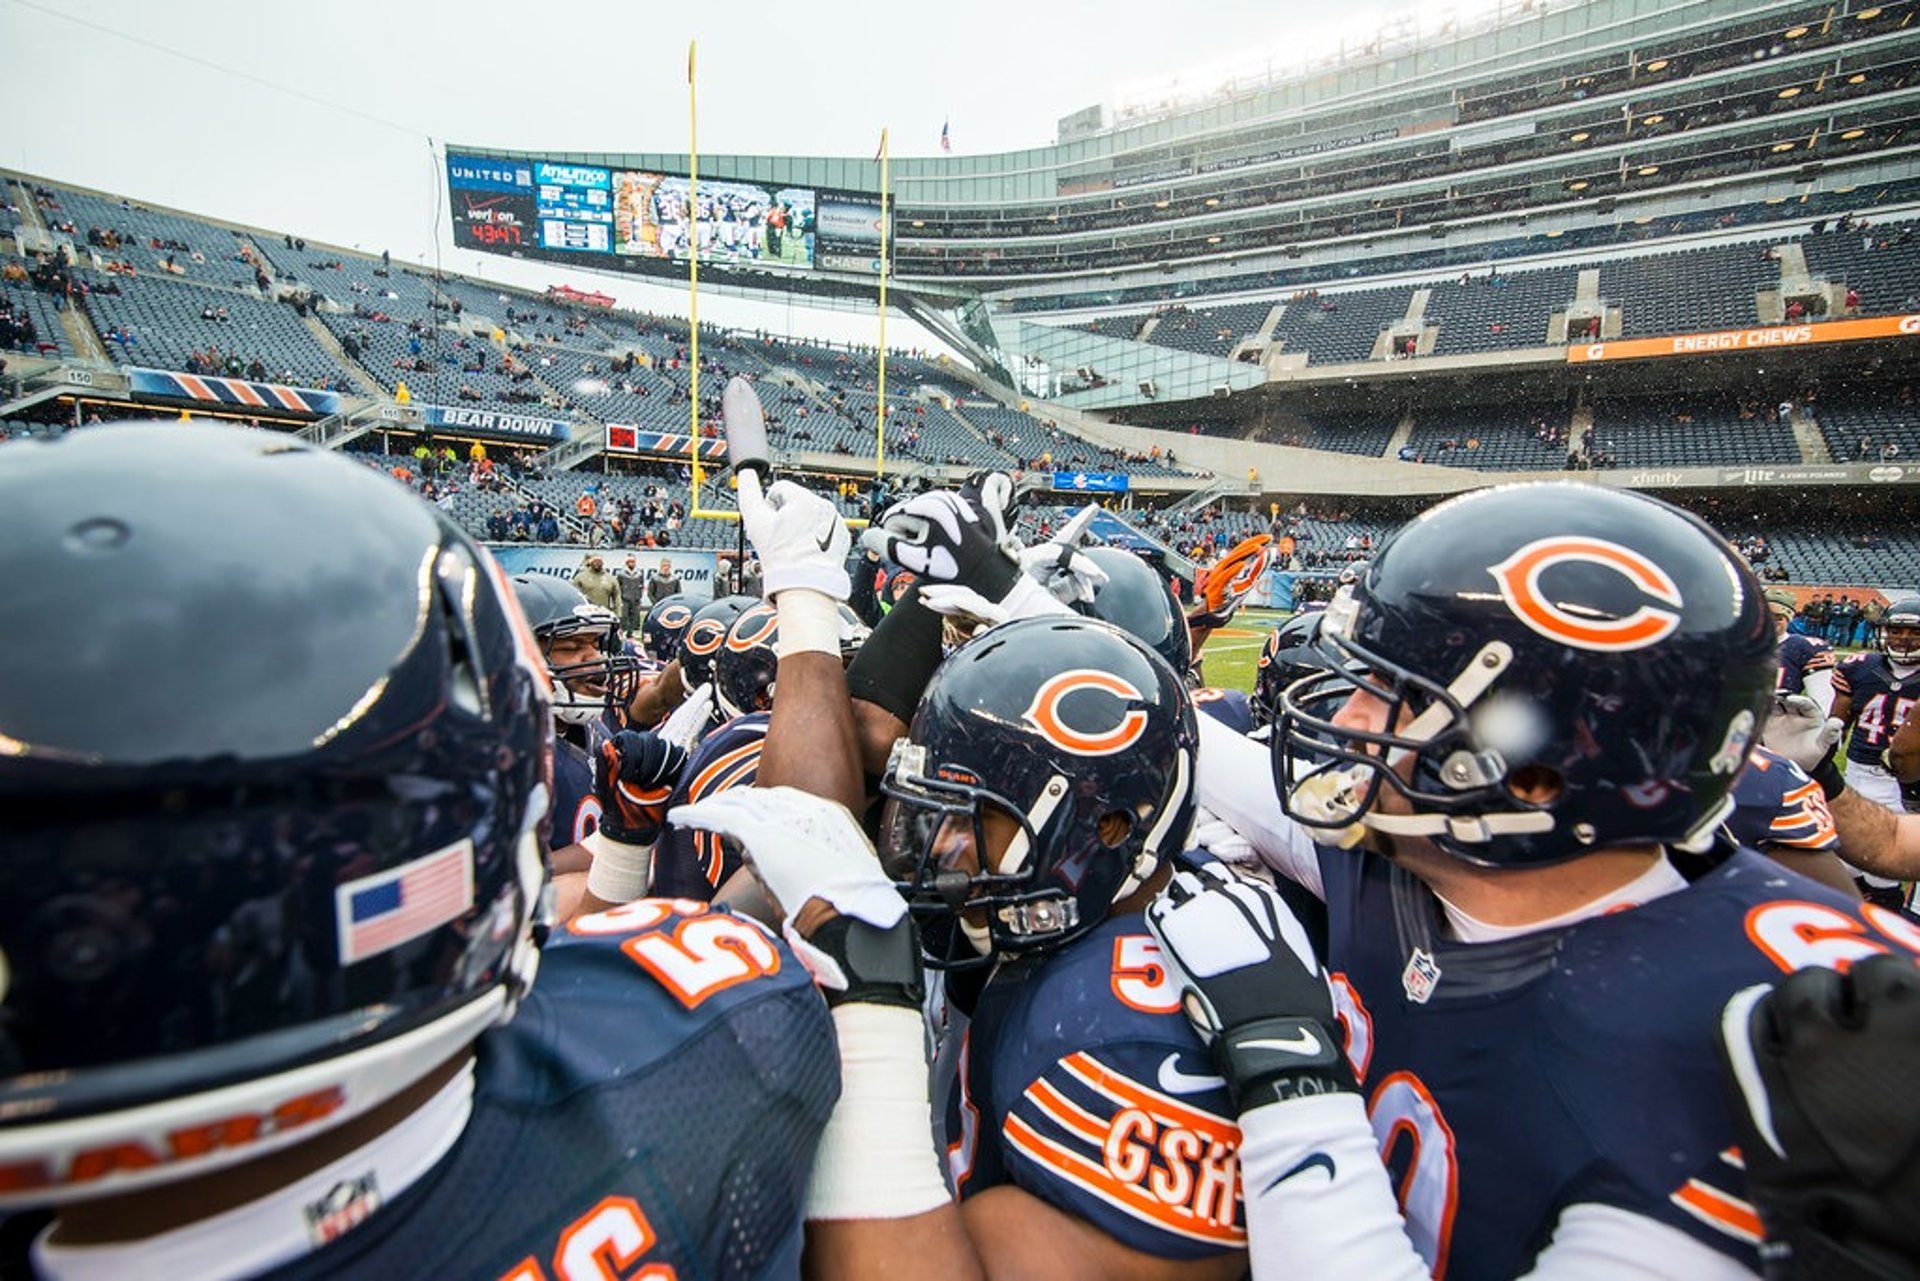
[
  {"x": 1030, "y": 811},
  {"x": 271, "y": 923},
  {"x": 1874, "y": 692},
  {"x": 592, "y": 678},
  {"x": 1806, "y": 662},
  {"x": 1532, "y": 696}
]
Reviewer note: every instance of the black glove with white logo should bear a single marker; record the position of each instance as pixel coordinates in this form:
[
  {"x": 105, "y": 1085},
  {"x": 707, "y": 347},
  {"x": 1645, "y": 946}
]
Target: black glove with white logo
[
  {"x": 1821, "y": 1071},
  {"x": 1251, "y": 986}
]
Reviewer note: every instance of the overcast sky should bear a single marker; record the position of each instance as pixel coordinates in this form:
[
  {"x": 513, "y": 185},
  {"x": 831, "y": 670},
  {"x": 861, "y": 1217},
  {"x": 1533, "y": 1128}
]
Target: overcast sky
[{"x": 315, "y": 118}]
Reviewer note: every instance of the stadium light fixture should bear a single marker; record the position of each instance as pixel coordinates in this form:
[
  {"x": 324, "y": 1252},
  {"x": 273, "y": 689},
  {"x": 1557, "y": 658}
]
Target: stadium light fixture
[
  {"x": 1782, "y": 146},
  {"x": 1653, "y": 119},
  {"x": 1580, "y": 184},
  {"x": 1794, "y": 33},
  {"x": 1851, "y": 134},
  {"x": 1581, "y": 136},
  {"x": 1161, "y": 204},
  {"x": 1868, "y": 15},
  {"x": 1213, "y": 240},
  {"x": 1211, "y": 201},
  {"x": 1647, "y": 171},
  {"x": 1658, "y": 64},
  {"x": 1857, "y": 78},
  {"x": 1791, "y": 91}
]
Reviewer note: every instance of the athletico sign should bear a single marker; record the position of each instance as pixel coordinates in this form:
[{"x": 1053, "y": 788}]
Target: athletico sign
[{"x": 1746, "y": 339}]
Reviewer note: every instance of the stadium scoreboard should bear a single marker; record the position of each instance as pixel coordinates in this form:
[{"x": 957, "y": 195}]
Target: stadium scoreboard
[{"x": 593, "y": 215}]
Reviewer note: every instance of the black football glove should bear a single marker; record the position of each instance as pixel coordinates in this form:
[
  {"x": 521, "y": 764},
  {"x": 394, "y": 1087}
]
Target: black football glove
[
  {"x": 958, "y": 536},
  {"x": 1251, "y": 986},
  {"x": 632, "y": 779},
  {"x": 1822, "y": 1071}
]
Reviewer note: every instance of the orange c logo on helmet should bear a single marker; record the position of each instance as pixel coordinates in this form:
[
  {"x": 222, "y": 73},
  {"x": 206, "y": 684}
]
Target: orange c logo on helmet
[
  {"x": 1045, "y": 713},
  {"x": 703, "y": 637},
  {"x": 1243, "y": 582},
  {"x": 1519, "y": 579},
  {"x": 675, "y": 616},
  {"x": 753, "y": 627}
]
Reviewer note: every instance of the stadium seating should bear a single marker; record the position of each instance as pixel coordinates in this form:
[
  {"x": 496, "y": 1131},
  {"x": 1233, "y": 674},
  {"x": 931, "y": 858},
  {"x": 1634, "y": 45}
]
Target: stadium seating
[
  {"x": 1502, "y": 439},
  {"x": 1691, "y": 290},
  {"x": 1860, "y": 424},
  {"x": 161, "y": 323},
  {"x": 1690, "y": 431},
  {"x": 1339, "y": 328},
  {"x": 1498, "y": 311},
  {"x": 1213, "y": 331}
]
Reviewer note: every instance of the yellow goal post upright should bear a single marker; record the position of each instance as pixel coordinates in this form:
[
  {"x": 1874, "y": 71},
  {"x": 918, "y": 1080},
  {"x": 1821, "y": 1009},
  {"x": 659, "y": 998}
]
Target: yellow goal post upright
[{"x": 697, "y": 508}]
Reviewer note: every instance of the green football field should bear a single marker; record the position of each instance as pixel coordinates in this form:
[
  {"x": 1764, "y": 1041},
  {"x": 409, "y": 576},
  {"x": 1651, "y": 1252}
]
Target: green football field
[{"x": 1231, "y": 652}]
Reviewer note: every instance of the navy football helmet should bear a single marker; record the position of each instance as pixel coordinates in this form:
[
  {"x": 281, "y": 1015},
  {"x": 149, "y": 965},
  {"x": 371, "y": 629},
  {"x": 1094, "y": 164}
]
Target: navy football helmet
[
  {"x": 660, "y": 633},
  {"x": 1563, "y": 668},
  {"x": 586, "y": 689},
  {"x": 1290, "y": 653},
  {"x": 1138, "y": 601},
  {"x": 1898, "y": 633},
  {"x": 706, "y": 633},
  {"x": 202, "y": 878},
  {"x": 744, "y": 668},
  {"x": 1071, "y": 735}
]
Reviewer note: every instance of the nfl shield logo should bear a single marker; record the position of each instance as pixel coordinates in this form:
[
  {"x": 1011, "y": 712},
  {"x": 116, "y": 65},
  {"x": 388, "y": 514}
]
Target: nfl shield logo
[{"x": 1421, "y": 976}]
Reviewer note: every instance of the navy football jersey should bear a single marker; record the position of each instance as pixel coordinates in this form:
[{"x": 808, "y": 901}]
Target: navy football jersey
[
  {"x": 1509, "y": 1081},
  {"x": 1775, "y": 803},
  {"x": 576, "y": 810},
  {"x": 694, "y": 864},
  {"x": 1800, "y": 655},
  {"x": 1081, "y": 1082},
  {"x": 654, "y": 1104},
  {"x": 1880, "y": 698},
  {"x": 1230, "y": 707}
]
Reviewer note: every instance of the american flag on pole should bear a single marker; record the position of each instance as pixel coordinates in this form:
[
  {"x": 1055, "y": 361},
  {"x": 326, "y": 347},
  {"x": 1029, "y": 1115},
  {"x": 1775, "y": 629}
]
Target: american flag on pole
[
  {"x": 378, "y": 913},
  {"x": 946, "y": 141}
]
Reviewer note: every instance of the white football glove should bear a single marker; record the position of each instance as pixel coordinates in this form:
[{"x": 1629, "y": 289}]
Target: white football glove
[
  {"x": 1801, "y": 731},
  {"x": 746, "y": 424},
  {"x": 799, "y": 536},
  {"x": 802, "y": 847},
  {"x": 684, "y": 725},
  {"x": 1212, "y": 834},
  {"x": 1059, "y": 567}
]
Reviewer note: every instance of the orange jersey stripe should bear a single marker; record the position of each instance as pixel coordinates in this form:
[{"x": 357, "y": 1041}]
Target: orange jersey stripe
[
  {"x": 1067, "y": 1114},
  {"x": 1130, "y": 1197},
  {"x": 1717, "y": 1209},
  {"x": 1130, "y": 1093}
]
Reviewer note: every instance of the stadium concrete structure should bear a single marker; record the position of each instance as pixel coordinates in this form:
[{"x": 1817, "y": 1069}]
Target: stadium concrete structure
[{"x": 1679, "y": 241}]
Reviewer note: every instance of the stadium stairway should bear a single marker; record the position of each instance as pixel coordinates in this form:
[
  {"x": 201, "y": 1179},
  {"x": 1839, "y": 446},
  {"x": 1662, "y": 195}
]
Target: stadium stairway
[
  {"x": 1807, "y": 435},
  {"x": 367, "y": 384},
  {"x": 1401, "y": 435}
]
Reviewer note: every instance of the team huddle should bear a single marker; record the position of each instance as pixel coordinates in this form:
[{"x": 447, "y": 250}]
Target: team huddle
[{"x": 395, "y": 917}]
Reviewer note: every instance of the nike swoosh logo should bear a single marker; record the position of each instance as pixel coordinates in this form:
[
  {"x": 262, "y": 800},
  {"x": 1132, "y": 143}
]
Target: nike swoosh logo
[
  {"x": 825, "y": 538},
  {"x": 1174, "y": 1081},
  {"x": 1318, "y": 1161},
  {"x": 1305, "y": 1043}
]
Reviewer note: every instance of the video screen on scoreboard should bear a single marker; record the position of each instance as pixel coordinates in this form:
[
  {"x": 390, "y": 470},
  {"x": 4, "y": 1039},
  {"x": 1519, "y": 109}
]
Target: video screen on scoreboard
[
  {"x": 559, "y": 212},
  {"x": 847, "y": 236},
  {"x": 744, "y": 223},
  {"x": 575, "y": 204},
  {"x": 493, "y": 203}
]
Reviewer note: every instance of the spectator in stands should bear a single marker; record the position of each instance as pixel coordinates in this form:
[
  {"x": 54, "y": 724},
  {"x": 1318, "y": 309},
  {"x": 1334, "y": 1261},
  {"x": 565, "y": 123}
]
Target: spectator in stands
[{"x": 548, "y": 530}]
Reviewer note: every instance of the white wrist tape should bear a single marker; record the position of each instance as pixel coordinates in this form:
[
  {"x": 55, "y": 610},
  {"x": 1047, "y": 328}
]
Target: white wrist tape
[
  {"x": 876, "y": 1159},
  {"x": 619, "y": 873},
  {"x": 809, "y": 623}
]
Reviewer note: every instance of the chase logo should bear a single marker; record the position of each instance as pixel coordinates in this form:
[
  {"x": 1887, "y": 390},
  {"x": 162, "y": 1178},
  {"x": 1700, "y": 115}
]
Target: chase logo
[
  {"x": 1581, "y": 624},
  {"x": 1092, "y": 729}
]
